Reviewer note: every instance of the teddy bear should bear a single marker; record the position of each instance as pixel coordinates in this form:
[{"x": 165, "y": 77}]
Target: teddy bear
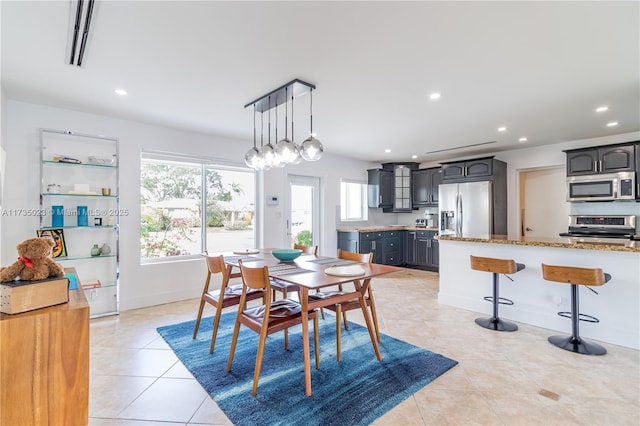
[{"x": 34, "y": 262}]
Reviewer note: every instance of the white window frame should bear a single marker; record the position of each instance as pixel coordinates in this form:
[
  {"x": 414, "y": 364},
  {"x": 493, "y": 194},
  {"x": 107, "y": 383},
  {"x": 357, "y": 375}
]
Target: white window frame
[{"x": 346, "y": 198}]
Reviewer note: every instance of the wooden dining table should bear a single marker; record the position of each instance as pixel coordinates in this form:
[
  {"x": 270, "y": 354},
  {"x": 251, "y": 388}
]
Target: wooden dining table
[{"x": 308, "y": 273}]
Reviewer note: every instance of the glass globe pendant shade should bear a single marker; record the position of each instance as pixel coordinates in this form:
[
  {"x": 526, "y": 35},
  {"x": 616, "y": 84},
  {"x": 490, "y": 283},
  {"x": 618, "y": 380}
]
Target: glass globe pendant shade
[
  {"x": 267, "y": 156},
  {"x": 311, "y": 149},
  {"x": 251, "y": 158},
  {"x": 287, "y": 151}
]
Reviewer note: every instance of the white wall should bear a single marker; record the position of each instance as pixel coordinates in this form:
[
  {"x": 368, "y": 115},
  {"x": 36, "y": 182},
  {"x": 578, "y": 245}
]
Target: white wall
[{"x": 150, "y": 284}]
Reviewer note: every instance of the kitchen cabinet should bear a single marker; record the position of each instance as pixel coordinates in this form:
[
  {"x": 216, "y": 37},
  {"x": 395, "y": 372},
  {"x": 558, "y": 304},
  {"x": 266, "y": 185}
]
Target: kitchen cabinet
[
  {"x": 425, "y": 186},
  {"x": 380, "y": 188},
  {"x": 386, "y": 246},
  {"x": 422, "y": 250},
  {"x": 390, "y": 187},
  {"x": 603, "y": 159},
  {"x": 79, "y": 205},
  {"x": 469, "y": 170},
  {"x": 638, "y": 171}
]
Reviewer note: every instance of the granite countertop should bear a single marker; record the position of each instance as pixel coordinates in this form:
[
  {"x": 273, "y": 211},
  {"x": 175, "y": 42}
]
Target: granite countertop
[
  {"x": 566, "y": 242},
  {"x": 381, "y": 228}
]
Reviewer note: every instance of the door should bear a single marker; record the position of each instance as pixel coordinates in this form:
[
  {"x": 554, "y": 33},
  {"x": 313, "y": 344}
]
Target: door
[
  {"x": 303, "y": 223},
  {"x": 544, "y": 209},
  {"x": 476, "y": 214},
  {"x": 448, "y": 195}
]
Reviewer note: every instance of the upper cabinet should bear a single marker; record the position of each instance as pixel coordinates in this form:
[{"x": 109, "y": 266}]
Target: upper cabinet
[
  {"x": 425, "y": 186},
  {"x": 380, "y": 188},
  {"x": 390, "y": 187},
  {"x": 472, "y": 170},
  {"x": 604, "y": 159}
]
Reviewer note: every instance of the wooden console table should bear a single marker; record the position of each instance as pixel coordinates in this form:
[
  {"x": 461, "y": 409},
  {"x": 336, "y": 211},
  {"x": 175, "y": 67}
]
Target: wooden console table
[{"x": 44, "y": 365}]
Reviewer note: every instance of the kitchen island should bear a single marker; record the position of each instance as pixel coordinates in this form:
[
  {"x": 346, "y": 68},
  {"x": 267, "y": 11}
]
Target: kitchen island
[{"x": 617, "y": 304}]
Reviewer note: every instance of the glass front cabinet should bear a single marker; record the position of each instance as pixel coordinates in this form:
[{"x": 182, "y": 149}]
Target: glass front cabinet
[{"x": 80, "y": 209}]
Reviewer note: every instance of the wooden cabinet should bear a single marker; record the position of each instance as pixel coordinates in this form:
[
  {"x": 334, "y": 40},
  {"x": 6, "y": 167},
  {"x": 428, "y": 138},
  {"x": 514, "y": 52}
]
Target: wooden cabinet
[
  {"x": 386, "y": 246},
  {"x": 380, "y": 188},
  {"x": 468, "y": 170},
  {"x": 422, "y": 250},
  {"x": 638, "y": 171},
  {"x": 604, "y": 159},
  {"x": 425, "y": 186},
  {"x": 401, "y": 188},
  {"x": 44, "y": 365}
]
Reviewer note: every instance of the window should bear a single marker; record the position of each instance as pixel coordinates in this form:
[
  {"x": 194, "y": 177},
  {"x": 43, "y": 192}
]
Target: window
[
  {"x": 188, "y": 206},
  {"x": 353, "y": 201}
]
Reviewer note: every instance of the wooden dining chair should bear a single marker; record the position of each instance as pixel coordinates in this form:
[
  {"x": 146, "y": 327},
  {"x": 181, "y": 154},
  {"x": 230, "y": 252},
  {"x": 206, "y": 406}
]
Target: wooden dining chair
[
  {"x": 341, "y": 308},
  {"x": 226, "y": 296},
  {"x": 286, "y": 288},
  {"x": 267, "y": 319}
]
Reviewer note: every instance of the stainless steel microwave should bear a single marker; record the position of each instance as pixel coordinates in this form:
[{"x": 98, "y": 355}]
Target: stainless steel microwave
[{"x": 604, "y": 187}]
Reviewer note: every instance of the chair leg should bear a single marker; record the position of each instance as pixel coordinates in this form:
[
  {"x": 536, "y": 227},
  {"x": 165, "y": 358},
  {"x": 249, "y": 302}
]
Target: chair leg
[
  {"x": 195, "y": 329},
  {"x": 216, "y": 323},
  {"x": 574, "y": 343},
  {"x": 286, "y": 339},
  {"x": 259, "y": 354},
  {"x": 374, "y": 314},
  {"x": 338, "y": 312},
  {"x": 234, "y": 340},
  {"x": 344, "y": 320},
  {"x": 316, "y": 341}
]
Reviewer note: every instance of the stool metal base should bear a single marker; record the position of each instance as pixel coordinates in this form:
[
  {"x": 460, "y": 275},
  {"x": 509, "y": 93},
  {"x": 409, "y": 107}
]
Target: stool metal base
[
  {"x": 577, "y": 345},
  {"x": 496, "y": 324}
]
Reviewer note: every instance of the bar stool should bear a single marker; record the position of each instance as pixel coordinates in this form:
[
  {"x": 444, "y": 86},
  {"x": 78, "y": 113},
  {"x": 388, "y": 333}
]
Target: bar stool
[
  {"x": 575, "y": 277},
  {"x": 496, "y": 266}
]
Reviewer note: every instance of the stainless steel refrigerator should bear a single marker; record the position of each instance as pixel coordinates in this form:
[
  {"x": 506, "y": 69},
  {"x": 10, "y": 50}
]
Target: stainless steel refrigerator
[{"x": 466, "y": 209}]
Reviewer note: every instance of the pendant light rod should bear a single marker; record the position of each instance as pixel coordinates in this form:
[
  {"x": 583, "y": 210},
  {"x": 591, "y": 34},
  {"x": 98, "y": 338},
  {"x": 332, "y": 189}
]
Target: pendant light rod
[
  {"x": 292, "y": 139},
  {"x": 296, "y": 87},
  {"x": 254, "y": 126},
  {"x": 311, "y": 111},
  {"x": 286, "y": 112},
  {"x": 269, "y": 138}
]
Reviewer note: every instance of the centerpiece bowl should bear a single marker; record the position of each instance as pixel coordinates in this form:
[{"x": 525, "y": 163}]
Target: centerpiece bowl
[{"x": 286, "y": 255}]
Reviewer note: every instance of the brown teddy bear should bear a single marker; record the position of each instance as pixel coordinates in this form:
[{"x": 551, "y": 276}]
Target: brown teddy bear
[{"x": 34, "y": 262}]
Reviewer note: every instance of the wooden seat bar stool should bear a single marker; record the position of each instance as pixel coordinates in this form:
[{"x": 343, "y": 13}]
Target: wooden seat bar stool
[
  {"x": 576, "y": 277},
  {"x": 496, "y": 266}
]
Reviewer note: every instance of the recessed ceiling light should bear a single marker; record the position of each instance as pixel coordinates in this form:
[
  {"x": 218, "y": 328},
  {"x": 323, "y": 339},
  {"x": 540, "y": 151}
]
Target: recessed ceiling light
[
  {"x": 612, "y": 123},
  {"x": 435, "y": 95},
  {"x": 414, "y": 156},
  {"x": 502, "y": 129},
  {"x": 602, "y": 109},
  {"x": 387, "y": 150},
  {"x": 522, "y": 140},
  {"x": 120, "y": 92}
]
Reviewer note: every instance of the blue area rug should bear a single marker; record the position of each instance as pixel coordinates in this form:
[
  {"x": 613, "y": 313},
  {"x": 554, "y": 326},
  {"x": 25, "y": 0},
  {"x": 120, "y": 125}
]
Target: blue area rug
[{"x": 355, "y": 391}]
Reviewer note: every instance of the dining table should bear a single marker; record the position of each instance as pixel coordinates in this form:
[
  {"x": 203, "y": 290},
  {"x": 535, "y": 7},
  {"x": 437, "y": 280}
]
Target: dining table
[{"x": 311, "y": 272}]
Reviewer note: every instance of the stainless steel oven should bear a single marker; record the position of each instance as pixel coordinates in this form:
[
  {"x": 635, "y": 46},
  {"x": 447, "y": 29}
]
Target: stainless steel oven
[{"x": 605, "y": 187}]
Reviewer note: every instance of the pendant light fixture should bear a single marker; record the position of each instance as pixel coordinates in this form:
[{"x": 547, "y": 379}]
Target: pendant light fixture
[
  {"x": 286, "y": 151},
  {"x": 311, "y": 147},
  {"x": 251, "y": 157}
]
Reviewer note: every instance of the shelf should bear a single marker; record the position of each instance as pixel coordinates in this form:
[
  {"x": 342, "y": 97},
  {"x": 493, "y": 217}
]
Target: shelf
[
  {"x": 66, "y": 258},
  {"x": 61, "y": 163},
  {"x": 51, "y": 194},
  {"x": 47, "y": 228}
]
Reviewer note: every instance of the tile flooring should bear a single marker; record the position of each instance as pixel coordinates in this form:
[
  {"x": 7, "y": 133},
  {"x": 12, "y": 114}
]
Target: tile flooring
[{"x": 502, "y": 378}]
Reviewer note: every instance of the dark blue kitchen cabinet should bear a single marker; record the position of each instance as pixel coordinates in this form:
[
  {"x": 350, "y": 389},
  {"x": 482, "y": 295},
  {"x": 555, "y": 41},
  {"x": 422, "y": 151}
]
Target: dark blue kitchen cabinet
[
  {"x": 425, "y": 186},
  {"x": 422, "y": 250},
  {"x": 386, "y": 246},
  {"x": 602, "y": 159}
]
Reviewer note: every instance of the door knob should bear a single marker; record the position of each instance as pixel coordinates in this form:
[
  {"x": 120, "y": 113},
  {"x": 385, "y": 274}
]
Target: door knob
[{"x": 528, "y": 229}]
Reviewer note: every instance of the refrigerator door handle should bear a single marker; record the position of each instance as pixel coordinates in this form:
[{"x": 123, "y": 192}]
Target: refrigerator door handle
[{"x": 459, "y": 214}]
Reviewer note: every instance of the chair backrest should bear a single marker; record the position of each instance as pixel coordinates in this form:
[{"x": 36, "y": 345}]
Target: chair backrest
[
  {"x": 357, "y": 257},
  {"x": 215, "y": 264},
  {"x": 573, "y": 275},
  {"x": 306, "y": 249},
  {"x": 490, "y": 264},
  {"x": 256, "y": 278}
]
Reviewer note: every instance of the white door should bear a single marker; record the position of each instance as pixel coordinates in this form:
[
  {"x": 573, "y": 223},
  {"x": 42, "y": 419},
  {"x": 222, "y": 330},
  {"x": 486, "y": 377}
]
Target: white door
[
  {"x": 303, "y": 223},
  {"x": 544, "y": 208}
]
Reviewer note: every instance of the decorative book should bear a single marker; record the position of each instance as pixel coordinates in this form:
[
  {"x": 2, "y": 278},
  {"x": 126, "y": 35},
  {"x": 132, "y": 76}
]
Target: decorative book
[{"x": 22, "y": 296}]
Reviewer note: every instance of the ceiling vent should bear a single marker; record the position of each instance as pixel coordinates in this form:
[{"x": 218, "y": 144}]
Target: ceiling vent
[
  {"x": 79, "y": 24},
  {"x": 460, "y": 147}
]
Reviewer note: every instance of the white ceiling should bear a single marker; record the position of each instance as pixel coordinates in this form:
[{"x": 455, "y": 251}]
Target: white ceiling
[{"x": 538, "y": 68}]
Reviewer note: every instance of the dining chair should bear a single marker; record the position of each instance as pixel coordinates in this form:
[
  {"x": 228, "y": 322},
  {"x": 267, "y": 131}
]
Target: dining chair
[
  {"x": 341, "y": 308},
  {"x": 286, "y": 288},
  {"x": 267, "y": 319},
  {"x": 226, "y": 296}
]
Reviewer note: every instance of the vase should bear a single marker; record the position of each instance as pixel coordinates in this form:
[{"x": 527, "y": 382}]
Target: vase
[
  {"x": 105, "y": 249},
  {"x": 95, "y": 250}
]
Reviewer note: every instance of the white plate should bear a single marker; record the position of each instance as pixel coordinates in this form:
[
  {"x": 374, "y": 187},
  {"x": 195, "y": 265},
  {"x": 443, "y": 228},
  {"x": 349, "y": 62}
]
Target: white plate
[
  {"x": 246, "y": 251},
  {"x": 345, "y": 271}
]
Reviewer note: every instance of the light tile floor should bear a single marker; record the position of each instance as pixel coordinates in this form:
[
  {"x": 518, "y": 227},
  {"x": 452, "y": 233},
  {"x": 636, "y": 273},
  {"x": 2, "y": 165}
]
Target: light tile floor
[{"x": 501, "y": 378}]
